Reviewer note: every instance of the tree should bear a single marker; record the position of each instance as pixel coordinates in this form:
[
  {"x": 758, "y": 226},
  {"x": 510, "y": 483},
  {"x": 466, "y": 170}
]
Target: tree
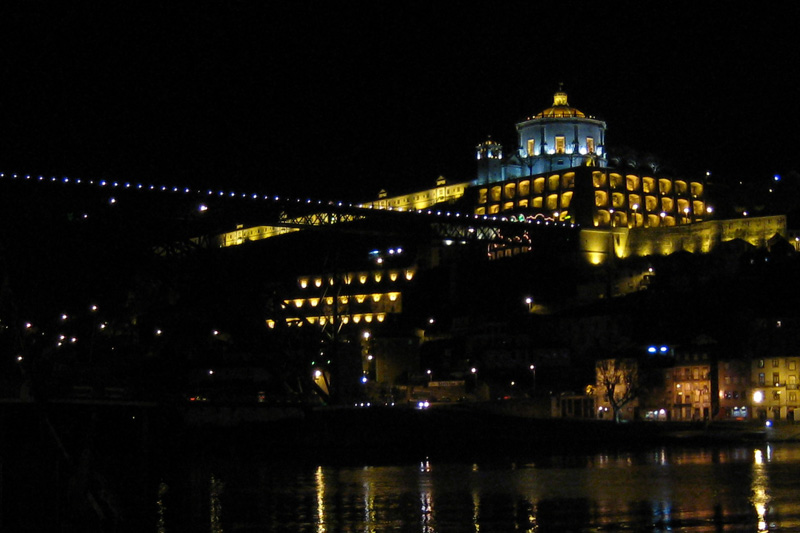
[{"x": 618, "y": 382}]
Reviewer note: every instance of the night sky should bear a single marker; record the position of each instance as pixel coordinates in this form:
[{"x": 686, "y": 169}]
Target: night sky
[{"x": 338, "y": 100}]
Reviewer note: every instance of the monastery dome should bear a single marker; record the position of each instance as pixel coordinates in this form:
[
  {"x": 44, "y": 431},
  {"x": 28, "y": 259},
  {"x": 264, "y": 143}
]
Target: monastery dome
[{"x": 560, "y": 108}]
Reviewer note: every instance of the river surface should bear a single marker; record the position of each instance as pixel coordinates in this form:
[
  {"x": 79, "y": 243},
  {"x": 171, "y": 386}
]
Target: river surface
[{"x": 737, "y": 488}]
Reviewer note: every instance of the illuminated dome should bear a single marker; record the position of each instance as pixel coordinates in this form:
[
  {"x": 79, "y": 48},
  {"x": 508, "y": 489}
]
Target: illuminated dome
[{"x": 560, "y": 108}]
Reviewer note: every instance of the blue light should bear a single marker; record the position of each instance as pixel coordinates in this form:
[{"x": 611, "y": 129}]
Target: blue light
[
  {"x": 664, "y": 349},
  {"x": 651, "y": 349}
]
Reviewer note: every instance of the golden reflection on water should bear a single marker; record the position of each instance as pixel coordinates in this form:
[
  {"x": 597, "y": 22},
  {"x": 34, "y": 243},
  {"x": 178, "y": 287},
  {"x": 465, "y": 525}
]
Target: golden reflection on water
[
  {"x": 760, "y": 487},
  {"x": 666, "y": 489},
  {"x": 369, "y": 502},
  {"x": 319, "y": 484}
]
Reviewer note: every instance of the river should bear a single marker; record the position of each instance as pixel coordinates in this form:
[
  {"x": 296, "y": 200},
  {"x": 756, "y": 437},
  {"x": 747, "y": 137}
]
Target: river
[{"x": 739, "y": 488}]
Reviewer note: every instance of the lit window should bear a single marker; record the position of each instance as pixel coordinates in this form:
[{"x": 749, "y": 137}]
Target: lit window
[
  {"x": 590, "y": 145},
  {"x": 531, "y": 146},
  {"x": 561, "y": 144}
]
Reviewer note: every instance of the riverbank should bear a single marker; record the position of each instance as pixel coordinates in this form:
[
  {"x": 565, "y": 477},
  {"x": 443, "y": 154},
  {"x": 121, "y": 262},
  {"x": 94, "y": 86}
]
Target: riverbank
[
  {"x": 374, "y": 434},
  {"x": 378, "y": 435}
]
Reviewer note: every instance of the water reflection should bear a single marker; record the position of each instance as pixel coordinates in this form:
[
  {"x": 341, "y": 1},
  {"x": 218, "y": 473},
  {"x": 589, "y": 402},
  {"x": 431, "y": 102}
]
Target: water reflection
[{"x": 736, "y": 489}]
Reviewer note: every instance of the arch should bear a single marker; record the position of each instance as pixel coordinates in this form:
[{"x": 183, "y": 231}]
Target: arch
[
  {"x": 632, "y": 182},
  {"x": 680, "y": 187},
  {"x": 538, "y": 186},
  {"x": 536, "y": 203},
  {"x": 664, "y": 186},
  {"x": 617, "y": 200},
  {"x": 684, "y": 209},
  {"x": 566, "y": 199},
  {"x": 667, "y": 204},
  {"x": 615, "y": 181},
  {"x": 698, "y": 207},
  {"x": 496, "y": 192},
  {"x": 482, "y": 196},
  {"x": 648, "y": 185},
  {"x": 600, "y": 198},
  {"x": 650, "y": 203},
  {"x": 599, "y": 179},
  {"x": 634, "y": 200},
  {"x": 552, "y": 202},
  {"x": 568, "y": 180},
  {"x": 697, "y": 189},
  {"x": 602, "y": 218},
  {"x": 524, "y": 188},
  {"x": 553, "y": 182},
  {"x": 509, "y": 191}
]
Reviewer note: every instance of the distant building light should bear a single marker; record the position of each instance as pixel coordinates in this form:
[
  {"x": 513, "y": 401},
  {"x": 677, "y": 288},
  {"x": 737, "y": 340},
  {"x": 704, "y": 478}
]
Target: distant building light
[{"x": 652, "y": 349}]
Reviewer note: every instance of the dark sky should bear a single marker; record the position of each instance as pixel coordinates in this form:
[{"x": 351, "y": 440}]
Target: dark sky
[{"x": 341, "y": 99}]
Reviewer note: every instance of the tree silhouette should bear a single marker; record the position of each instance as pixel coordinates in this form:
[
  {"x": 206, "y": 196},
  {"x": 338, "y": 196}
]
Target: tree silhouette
[{"x": 618, "y": 381}]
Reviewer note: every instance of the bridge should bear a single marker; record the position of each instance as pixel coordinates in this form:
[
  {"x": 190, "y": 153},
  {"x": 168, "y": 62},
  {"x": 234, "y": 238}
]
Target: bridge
[{"x": 179, "y": 218}]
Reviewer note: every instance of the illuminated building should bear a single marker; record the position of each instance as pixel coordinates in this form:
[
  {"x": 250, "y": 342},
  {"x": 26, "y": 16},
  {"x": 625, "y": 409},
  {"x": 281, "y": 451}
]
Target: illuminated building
[
  {"x": 775, "y": 391},
  {"x": 690, "y": 388},
  {"x": 443, "y": 192},
  {"x": 734, "y": 386},
  {"x": 557, "y": 138},
  {"x": 560, "y": 171}
]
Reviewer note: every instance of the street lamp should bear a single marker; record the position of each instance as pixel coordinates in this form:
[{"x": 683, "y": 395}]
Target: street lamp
[
  {"x": 529, "y": 303},
  {"x": 430, "y": 375},
  {"x": 533, "y": 372}
]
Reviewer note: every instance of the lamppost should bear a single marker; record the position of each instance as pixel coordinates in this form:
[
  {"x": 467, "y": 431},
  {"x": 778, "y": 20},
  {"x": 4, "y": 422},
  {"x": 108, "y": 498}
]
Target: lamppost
[{"x": 533, "y": 372}]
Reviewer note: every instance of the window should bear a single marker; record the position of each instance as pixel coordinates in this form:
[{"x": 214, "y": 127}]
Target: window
[
  {"x": 776, "y": 395},
  {"x": 792, "y": 396},
  {"x": 792, "y": 365},
  {"x": 590, "y": 145},
  {"x": 775, "y": 363},
  {"x": 776, "y": 378},
  {"x": 760, "y": 363},
  {"x": 561, "y": 144},
  {"x": 761, "y": 379},
  {"x": 531, "y": 146}
]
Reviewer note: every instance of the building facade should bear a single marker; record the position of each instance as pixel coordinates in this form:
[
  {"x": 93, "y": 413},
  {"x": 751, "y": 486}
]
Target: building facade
[{"x": 775, "y": 390}]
